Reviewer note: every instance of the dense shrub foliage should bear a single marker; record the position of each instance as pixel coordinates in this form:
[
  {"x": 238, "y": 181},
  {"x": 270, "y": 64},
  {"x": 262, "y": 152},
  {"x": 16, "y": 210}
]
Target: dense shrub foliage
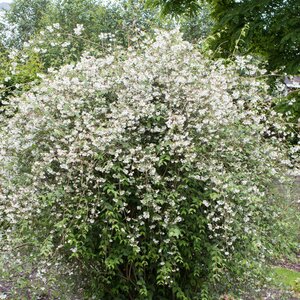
[
  {"x": 290, "y": 107},
  {"x": 149, "y": 172}
]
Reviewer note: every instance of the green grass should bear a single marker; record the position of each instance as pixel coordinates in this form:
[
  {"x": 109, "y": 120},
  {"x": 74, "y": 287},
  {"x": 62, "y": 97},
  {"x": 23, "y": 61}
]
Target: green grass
[{"x": 288, "y": 278}]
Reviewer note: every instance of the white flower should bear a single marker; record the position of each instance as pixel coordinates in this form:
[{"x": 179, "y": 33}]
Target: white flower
[
  {"x": 74, "y": 250},
  {"x": 78, "y": 29},
  {"x": 146, "y": 215},
  {"x": 49, "y": 28},
  {"x": 206, "y": 203},
  {"x": 56, "y": 25},
  {"x": 65, "y": 44}
]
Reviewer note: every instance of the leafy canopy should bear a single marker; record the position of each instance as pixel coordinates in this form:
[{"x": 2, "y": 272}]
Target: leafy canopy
[{"x": 270, "y": 28}]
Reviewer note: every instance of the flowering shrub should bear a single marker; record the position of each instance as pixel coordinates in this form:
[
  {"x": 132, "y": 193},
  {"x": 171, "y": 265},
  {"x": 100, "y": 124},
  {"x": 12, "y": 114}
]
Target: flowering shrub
[{"x": 150, "y": 171}]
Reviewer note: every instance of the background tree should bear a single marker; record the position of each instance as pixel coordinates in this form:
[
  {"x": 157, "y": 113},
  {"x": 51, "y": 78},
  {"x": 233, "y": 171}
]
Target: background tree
[
  {"x": 196, "y": 27},
  {"x": 28, "y": 15},
  {"x": 175, "y": 7},
  {"x": 270, "y": 28}
]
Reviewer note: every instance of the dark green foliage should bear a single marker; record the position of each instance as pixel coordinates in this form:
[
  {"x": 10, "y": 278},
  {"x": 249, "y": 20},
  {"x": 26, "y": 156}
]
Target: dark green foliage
[
  {"x": 290, "y": 106},
  {"x": 176, "y": 7},
  {"x": 267, "y": 27},
  {"x": 270, "y": 28},
  {"x": 198, "y": 26}
]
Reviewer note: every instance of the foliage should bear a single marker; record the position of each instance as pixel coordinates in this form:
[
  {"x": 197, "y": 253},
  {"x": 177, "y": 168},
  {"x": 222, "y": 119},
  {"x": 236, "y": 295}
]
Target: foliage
[
  {"x": 272, "y": 28},
  {"x": 197, "y": 27},
  {"x": 149, "y": 172},
  {"x": 28, "y": 15},
  {"x": 50, "y": 45},
  {"x": 175, "y": 7},
  {"x": 18, "y": 72},
  {"x": 290, "y": 107}
]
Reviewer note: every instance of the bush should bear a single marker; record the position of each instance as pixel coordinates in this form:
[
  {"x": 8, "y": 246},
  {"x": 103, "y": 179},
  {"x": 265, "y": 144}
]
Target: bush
[{"x": 150, "y": 172}]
